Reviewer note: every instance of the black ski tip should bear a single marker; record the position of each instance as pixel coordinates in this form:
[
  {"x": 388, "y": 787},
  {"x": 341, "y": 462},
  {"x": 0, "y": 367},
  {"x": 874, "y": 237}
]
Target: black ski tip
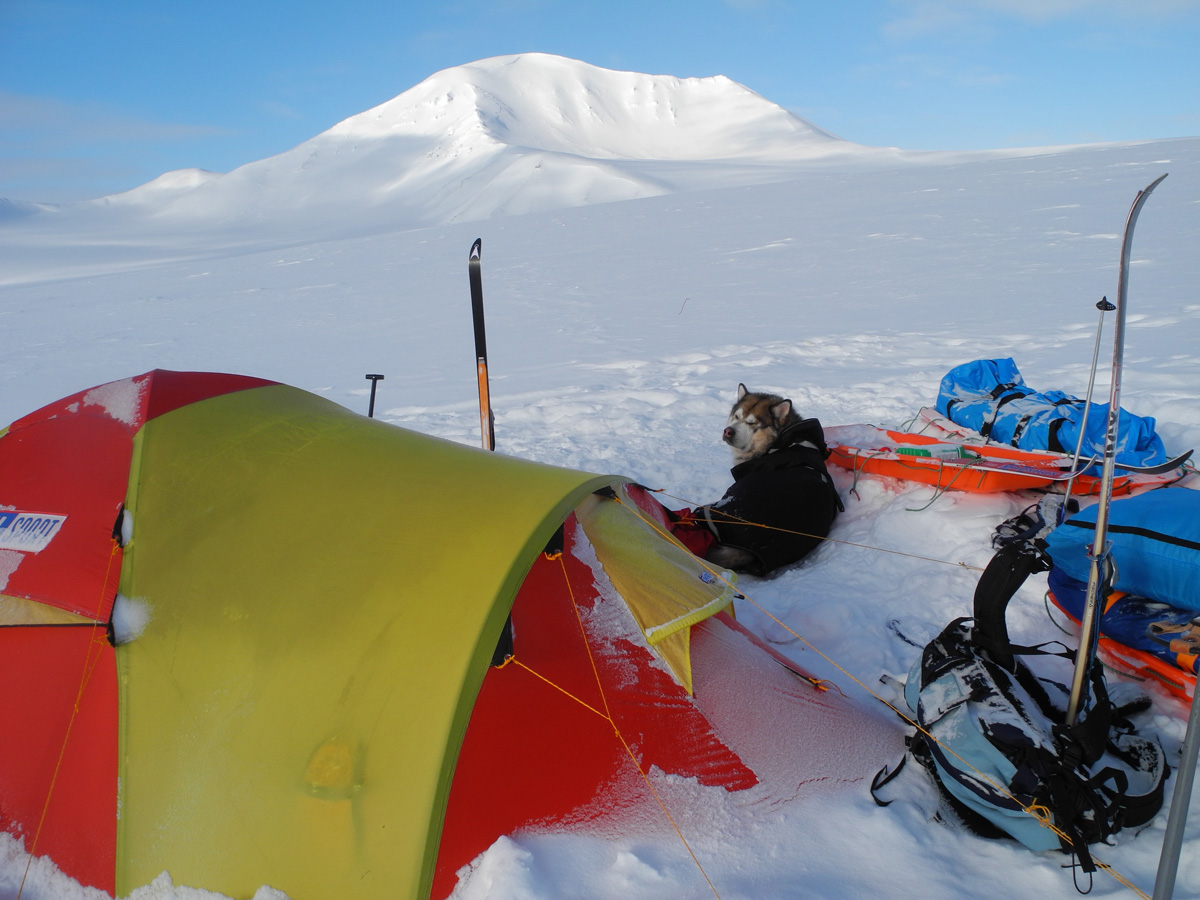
[
  {"x": 476, "y": 250},
  {"x": 1178, "y": 461},
  {"x": 1155, "y": 183},
  {"x": 1169, "y": 466}
]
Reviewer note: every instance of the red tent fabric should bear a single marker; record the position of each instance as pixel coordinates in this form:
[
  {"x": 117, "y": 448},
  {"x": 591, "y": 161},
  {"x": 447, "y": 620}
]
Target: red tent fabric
[
  {"x": 67, "y": 466},
  {"x": 64, "y": 470}
]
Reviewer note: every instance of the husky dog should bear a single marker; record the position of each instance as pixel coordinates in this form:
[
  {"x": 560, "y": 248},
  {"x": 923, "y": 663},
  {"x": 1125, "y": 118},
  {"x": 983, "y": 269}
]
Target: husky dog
[
  {"x": 755, "y": 422},
  {"x": 782, "y": 502}
]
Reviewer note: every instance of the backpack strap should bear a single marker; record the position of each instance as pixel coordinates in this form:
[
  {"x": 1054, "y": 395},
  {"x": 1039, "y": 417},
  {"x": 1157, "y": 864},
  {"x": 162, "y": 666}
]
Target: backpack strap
[
  {"x": 1145, "y": 756},
  {"x": 1005, "y": 573},
  {"x": 884, "y": 776},
  {"x": 1084, "y": 742}
]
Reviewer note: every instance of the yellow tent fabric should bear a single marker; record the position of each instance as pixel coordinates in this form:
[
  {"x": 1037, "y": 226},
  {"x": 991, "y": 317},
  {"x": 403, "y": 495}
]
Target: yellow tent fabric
[
  {"x": 21, "y": 611},
  {"x": 325, "y": 594},
  {"x": 666, "y": 587}
]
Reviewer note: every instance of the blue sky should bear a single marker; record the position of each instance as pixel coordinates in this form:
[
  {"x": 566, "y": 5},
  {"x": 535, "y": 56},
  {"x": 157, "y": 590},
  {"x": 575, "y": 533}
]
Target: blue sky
[{"x": 99, "y": 96}]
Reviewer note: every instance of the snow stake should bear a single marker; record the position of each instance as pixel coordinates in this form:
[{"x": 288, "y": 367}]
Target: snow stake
[
  {"x": 487, "y": 421},
  {"x": 1100, "y": 574},
  {"x": 374, "y": 379}
]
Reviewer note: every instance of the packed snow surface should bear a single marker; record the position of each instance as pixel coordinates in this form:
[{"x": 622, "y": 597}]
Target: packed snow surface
[{"x": 649, "y": 243}]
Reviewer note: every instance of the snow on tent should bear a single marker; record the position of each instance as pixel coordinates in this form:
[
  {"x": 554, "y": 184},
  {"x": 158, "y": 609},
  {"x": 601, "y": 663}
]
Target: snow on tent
[{"x": 249, "y": 638}]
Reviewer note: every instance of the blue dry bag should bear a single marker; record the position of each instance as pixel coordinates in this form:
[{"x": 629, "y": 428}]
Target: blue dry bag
[{"x": 990, "y": 396}]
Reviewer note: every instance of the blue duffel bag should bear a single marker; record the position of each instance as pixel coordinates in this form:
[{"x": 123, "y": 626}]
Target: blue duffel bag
[{"x": 989, "y": 396}]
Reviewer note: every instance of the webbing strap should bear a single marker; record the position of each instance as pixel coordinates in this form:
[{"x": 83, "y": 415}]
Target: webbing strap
[
  {"x": 1015, "y": 440},
  {"x": 1002, "y": 394}
]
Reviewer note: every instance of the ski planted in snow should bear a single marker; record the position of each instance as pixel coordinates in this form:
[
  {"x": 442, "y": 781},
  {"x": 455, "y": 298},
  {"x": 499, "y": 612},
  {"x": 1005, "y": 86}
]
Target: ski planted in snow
[
  {"x": 487, "y": 421},
  {"x": 1101, "y": 572}
]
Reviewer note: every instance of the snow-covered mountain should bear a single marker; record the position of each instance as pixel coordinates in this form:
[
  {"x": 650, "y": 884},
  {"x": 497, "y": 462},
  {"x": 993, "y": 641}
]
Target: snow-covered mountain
[{"x": 511, "y": 134}]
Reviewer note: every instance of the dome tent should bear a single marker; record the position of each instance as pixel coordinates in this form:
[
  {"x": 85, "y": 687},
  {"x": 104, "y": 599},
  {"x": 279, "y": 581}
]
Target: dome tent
[{"x": 311, "y": 702}]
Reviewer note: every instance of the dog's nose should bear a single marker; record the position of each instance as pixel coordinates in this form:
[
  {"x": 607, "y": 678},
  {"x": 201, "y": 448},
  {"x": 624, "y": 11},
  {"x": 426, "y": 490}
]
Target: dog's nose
[{"x": 727, "y": 435}]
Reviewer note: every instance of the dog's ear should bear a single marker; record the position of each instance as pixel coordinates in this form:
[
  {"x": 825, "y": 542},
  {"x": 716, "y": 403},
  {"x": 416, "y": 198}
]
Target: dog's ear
[
  {"x": 781, "y": 410},
  {"x": 742, "y": 392}
]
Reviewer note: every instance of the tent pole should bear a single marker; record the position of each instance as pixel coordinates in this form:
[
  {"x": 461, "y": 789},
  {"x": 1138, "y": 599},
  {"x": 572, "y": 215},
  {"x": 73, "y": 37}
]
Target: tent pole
[
  {"x": 1181, "y": 797},
  {"x": 1101, "y": 567}
]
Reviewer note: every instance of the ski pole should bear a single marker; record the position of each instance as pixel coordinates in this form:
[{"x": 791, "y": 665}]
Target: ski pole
[
  {"x": 1104, "y": 306},
  {"x": 374, "y": 379},
  {"x": 1100, "y": 571},
  {"x": 487, "y": 422}
]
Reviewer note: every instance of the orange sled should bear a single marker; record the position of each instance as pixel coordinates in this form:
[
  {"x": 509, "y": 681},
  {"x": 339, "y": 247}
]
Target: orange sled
[
  {"x": 948, "y": 464},
  {"x": 934, "y": 424},
  {"x": 1171, "y": 666}
]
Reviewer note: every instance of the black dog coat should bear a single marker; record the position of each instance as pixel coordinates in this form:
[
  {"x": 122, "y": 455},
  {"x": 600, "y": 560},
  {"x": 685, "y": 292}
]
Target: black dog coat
[{"x": 788, "y": 490}]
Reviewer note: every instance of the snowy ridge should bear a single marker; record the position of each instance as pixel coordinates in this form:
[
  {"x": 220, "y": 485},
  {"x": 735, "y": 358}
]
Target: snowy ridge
[
  {"x": 512, "y": 134},
  {"x": 541, "y": 102}
]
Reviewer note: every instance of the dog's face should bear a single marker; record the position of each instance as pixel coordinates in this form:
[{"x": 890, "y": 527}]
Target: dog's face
[{"x": 755, "y": 422}]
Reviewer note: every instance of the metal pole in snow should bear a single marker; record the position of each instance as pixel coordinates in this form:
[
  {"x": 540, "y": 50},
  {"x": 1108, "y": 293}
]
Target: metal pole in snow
[
  {"x": 1104, "y": 306},
  {"x": 1101, "y": 567},
  {"x": 1181, "y": 797},
  {"x": 374, "y": 379}
]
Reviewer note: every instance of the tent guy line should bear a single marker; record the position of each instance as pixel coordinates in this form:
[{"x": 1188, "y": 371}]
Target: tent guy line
[
  {"x": 1041, "y": 814},
  {"x": 606, "y": 715}
]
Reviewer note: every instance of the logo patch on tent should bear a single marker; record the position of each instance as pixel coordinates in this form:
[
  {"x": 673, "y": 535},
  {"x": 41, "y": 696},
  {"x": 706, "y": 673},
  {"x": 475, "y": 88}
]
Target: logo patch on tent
[{"x": 27, "y": 531}]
